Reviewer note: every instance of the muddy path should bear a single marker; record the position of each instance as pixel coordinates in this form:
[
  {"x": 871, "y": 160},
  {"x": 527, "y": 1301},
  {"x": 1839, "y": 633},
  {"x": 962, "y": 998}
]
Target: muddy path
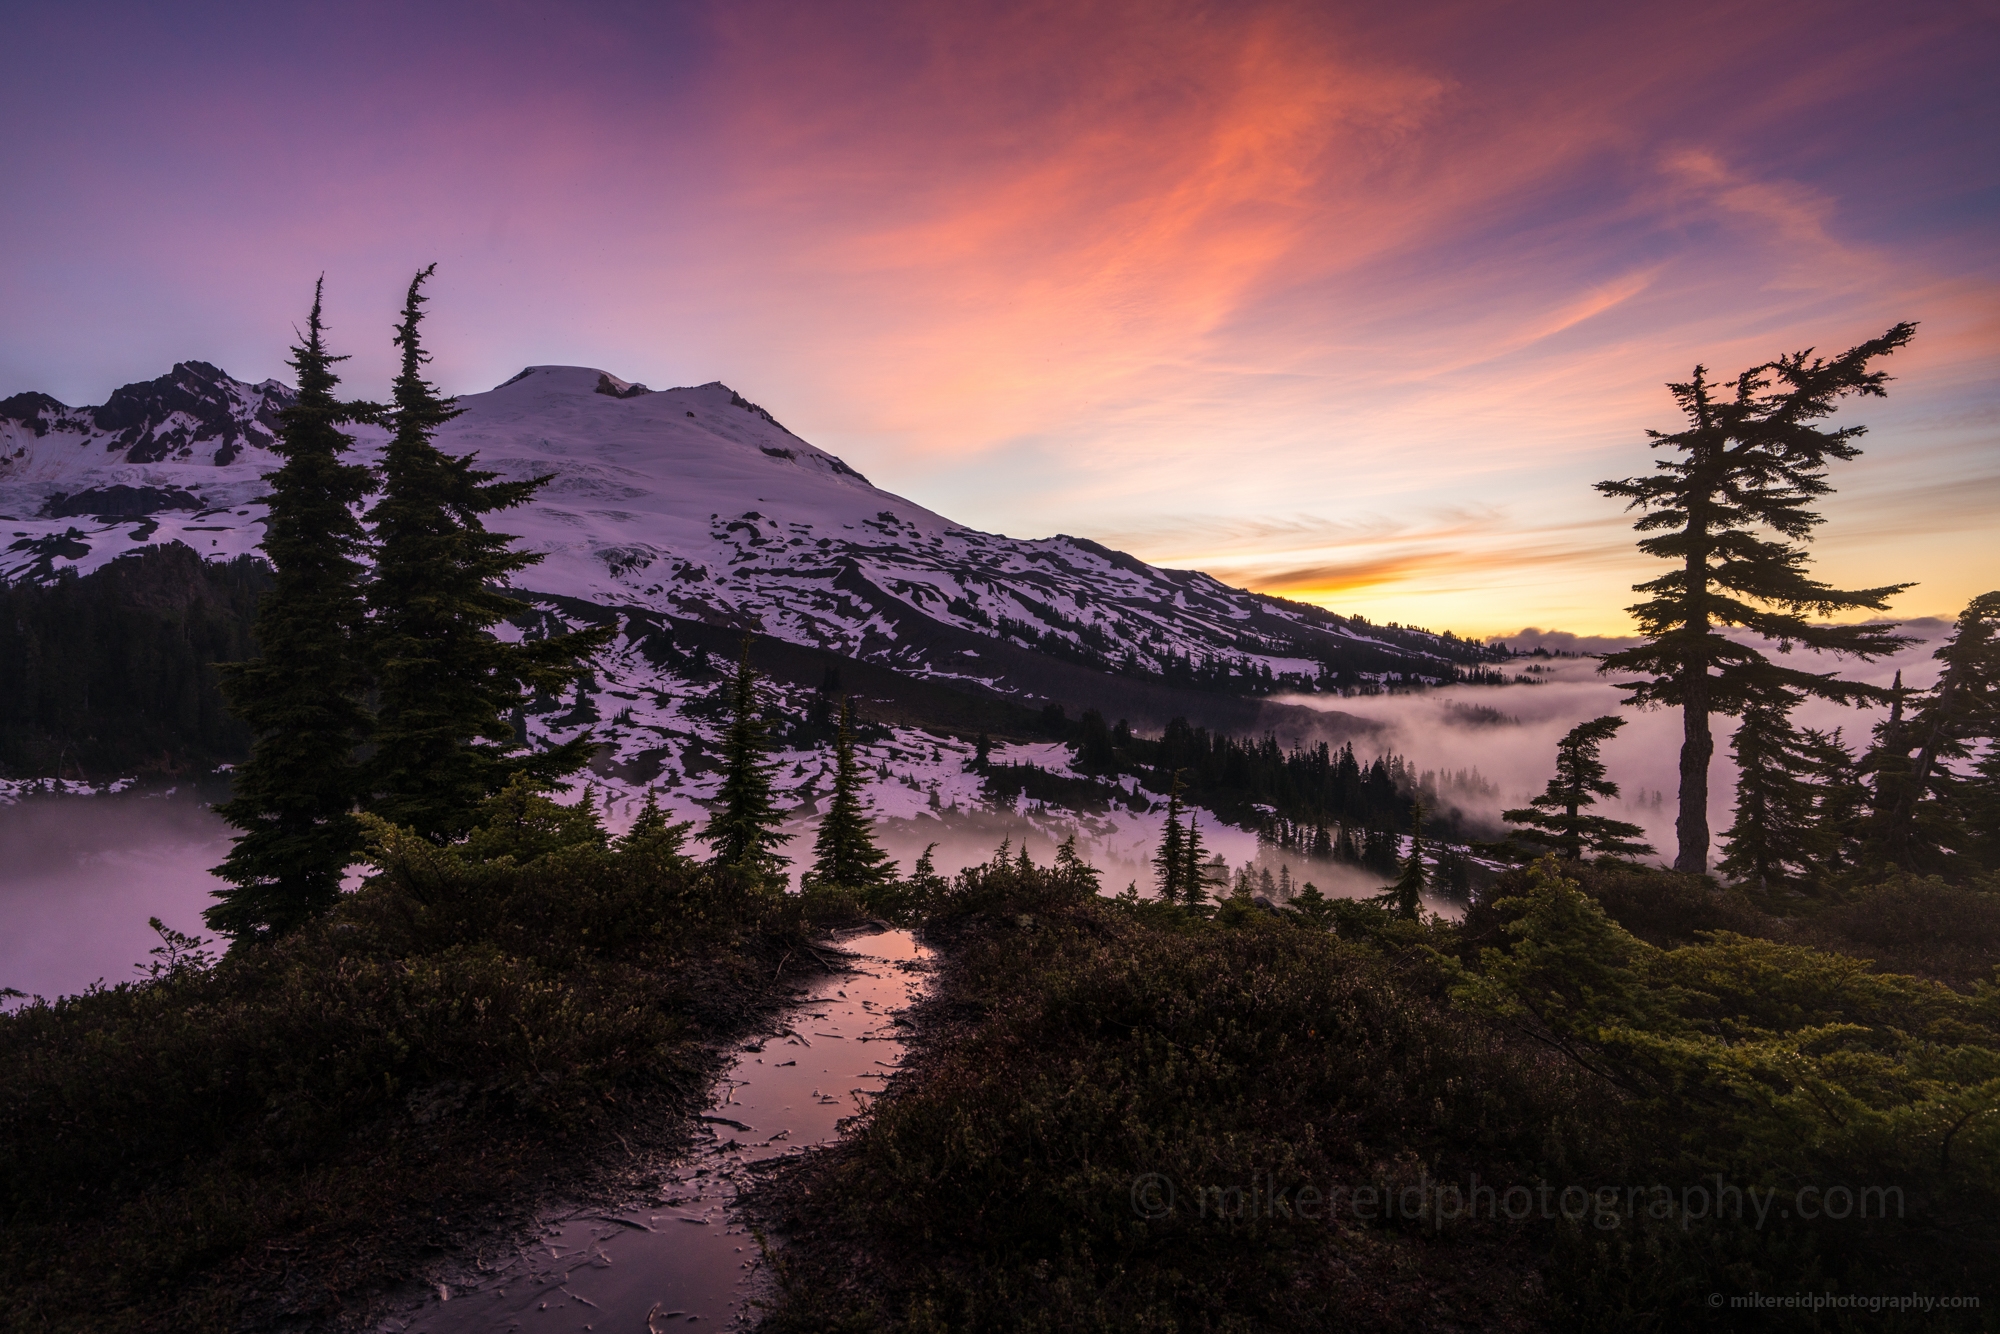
[{"x": 678, "y": 1256}]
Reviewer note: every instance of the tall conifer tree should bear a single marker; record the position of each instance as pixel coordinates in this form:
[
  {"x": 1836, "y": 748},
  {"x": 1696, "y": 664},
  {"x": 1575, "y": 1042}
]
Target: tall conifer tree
[
  {"x": 742, "y": 834},
  {"x": 1555, "y": 821},
  {"x": 1170, "y": 862},
  {"x": 1777, "y": 837},
  {"x": 444, "y": 736},
  {"x": 1195, "y": 877},
  {"x": 1378, "y": 849},
  {"x": 1750, "y": 460},
  {"x": 302, "y": 694},
  {"x": 844, "y": 851},
  {"x": 1923, "y": 805}
]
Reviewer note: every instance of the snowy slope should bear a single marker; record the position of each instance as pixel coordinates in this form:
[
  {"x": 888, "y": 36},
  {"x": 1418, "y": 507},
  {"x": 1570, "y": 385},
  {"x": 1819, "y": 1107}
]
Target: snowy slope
[{"x": 689, "y": 502}]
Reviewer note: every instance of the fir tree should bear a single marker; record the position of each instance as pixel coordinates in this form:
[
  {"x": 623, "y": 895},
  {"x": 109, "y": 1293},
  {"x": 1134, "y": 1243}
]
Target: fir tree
[
  {"x": 1312, "y": 908},
  {"x": 1170, "y": 863},
  {"x": 1923, "y": 806},
  {"x": 1405, "y": 898},
  {"x": 652, "y": 832},
  {"x": 844, "y": 851},
  {"x": 1777, "y": 837},
  {"x": 1378, "y": 850},
  {"x": 302, "y": 694},
  {"x": 1075, "y": 871},
  {"x": 1840, "y": 803},
  {"x": 1750, "y": 459},
  {"x": 1453, "y": 873},
  {"x": 743, "y": 834},
  {"x": 1344, "y": 849},
  {"x": 521, "y": 824},
  {"x": 444, "y": 736},
  {"x": 1556, "y": 821},
  {"x": 1195, "y": 877}
]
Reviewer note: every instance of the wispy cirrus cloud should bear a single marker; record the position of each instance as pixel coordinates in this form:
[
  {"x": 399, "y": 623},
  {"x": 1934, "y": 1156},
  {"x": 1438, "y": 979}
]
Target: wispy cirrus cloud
[{"x": 1369, "y": 295}]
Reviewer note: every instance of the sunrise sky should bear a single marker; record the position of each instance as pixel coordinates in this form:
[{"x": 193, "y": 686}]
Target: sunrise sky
[{"x": 1349, "y": 302}]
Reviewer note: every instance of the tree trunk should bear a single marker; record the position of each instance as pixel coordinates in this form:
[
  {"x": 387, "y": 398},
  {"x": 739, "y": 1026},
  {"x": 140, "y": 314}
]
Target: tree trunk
[
  {"x": 1697, "y": 747},
  {"x": 1697, "y": 741}
]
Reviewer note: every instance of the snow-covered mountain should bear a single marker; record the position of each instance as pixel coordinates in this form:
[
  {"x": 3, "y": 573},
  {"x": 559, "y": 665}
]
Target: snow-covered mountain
[{"x": 696, "y": 504}]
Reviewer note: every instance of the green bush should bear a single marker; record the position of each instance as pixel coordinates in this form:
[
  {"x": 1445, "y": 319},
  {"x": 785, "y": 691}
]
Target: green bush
[
  {"x": 1078, "y": 1051},
  {"x": 1077, "y": 1046}
]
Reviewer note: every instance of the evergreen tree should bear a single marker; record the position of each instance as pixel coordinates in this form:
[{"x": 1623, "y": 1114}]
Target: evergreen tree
[
  {"x": 1453, "y": 873},
  {"x": 1840, "y": 803},
  {"x": 1378, "y": 850},
  {"x": 444, "y": 736},
  {"x": 521, "y": 824},
  {"x": 302, "y": 695},
  {"x": 1923, "y": 806},
  {"x": 1069, "y": 863},
  {"x": 1751, "y": 458},
  {"x": 1344, "y": 849},
  {"x": 1405, "y": 898},
  {"x": 1171, "y": 861},
  {"x": 652, "y": 832},
  {"x": 1778, "y": 837},
  {"x": 1312, "y": 908},
  {"x": 743, "y": 834},
  {"x": 1195, "y": 877},
  {"x": 1556, "y": 821},
  {"x": 845, "y": 852}
]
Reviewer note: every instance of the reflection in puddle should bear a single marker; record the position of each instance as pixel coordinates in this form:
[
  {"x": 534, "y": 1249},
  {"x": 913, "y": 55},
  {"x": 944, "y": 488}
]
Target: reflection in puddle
[{"x": 682, "y": 1257}]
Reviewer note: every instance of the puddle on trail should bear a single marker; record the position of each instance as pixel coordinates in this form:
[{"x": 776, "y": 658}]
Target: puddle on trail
[{"x": 682, "y": 1259}]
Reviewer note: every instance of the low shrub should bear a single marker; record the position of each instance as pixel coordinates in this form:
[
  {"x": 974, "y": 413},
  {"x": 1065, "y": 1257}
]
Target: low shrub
[
  {"x": 1077, "y": 1051},
  {"x": 1921, "y": 925},
  {"x": 268, "y": 1137},
  {"x": 1112, "y": 1107}
]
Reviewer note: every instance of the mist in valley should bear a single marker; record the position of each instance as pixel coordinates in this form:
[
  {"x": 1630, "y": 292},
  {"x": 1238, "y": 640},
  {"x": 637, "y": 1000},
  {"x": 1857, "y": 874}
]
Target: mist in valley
[
  {"x": 1508, "y": 733},
  {"x": 83, "y": 874}
]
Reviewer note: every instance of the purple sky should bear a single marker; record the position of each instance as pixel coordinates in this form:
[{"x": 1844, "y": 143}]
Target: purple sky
[{"x": 1349, "y": 302}]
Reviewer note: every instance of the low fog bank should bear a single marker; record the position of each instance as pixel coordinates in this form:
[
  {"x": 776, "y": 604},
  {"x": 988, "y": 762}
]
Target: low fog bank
[
  {"x": 1120, "y": 844},
  {"x": 82, "y": 875},
  {"x": 1509, "y": 733}
]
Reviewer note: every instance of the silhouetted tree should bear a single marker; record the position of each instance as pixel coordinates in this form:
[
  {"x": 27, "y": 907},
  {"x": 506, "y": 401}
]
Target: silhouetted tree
[
  {"x": 1453, "y": 873},
  {"x": 1778, "y": 836},
  {"x": 1750, "y": 460},
  {"x": 1195, "y": 876},
  {"x": 1555, "y": 820},
  {"x": 302, "y": 695},
  {"x": 1405, "y": 898},
  {"x": 1344, "y": 849},
  {"x": 444, "y": 736},
  {"x": 844, "y": 851},
  {"x": 1922, "y": 805},
  {"x": 742, "y": 834},
  {"x": 1378, "y": 850},
  {"x": 1170, "y": 862},
  {"x": 1312, "y": 908}
]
